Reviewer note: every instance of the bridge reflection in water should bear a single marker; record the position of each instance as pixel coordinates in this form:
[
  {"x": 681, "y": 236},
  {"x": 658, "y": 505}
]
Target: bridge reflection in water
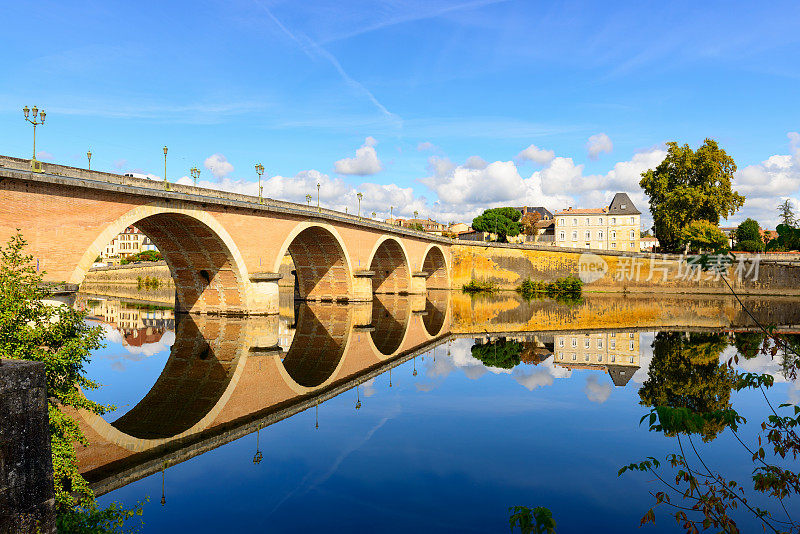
[{"x": 225, "y": 377}]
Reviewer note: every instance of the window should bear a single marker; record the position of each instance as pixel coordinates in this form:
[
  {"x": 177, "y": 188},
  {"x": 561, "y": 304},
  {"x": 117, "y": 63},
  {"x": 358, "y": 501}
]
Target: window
[
  {"x": 574, "y": 222},
  {"x": 631, "y": 345},
  {"x": 613, "y": 359},
  {"x": 561, "y": 342},
  {"x": 587, "y": 221},
  {"x": 613, "y": 234},
  {"x": 586, "y": 344},
  {"x": 574, "y": 236},
  {"x": 623, "y": 206},
  {"x": 599, "y": 358},
  {"x": 633, "y": 234},
  {"x": 613, "y": 344},
  {"x": 613, "y": 245},
  {"x": 613, "y": 220},
  {"x": 588, "y": 234},
  {"x": 630, "y": 335},
  {"x": 560, "y": 355},
  {"x": 574, "y": 357},
  {"x": 631, "y": 245},
  {"x": 599, "y": 343},
  {"x": 586, "y": 358},
  {"x": 574, "y": 342},
  {"x": 561, "y": 236},
  {"x": 600, "y": 234},
  {"x": 630, "y": 359},
  {"x": 600, "y": 220}
]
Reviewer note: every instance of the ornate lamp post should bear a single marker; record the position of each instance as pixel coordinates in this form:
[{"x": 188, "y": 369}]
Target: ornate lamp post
[
  {"x": 38, "y": 118},
  {"x": 360, "y": 196},
  {"x": 374, "y": 214},
  {"x": 195, "y": 172},
  {"x": 318, "y": 186},
  {"x": 258, "y": 455},
  {"x": 89, "y": 156},
  {"x": 308, "y": 199},
  {"x": 358, "y": 399},
  {"x": 260, "y": 171},
  {"x": 416, "y": 214},
  {"x": 166, "y": 184}
]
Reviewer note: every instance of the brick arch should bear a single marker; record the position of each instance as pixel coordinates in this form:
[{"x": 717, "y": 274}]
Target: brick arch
[
  {"x": 204, "y": 367},
  {"x": 321, "y": 263},
  {"x": 208, "y": 270},
  {"x": 435, "y": 265},
  {"x": 318, "y": 347},
  {"x": 391, "y": 316},
  {"x": 389, "y": 261}
]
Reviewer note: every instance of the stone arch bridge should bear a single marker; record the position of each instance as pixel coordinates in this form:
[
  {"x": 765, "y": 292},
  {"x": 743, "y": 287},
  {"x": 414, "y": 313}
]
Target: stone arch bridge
[{"x": 224, "y": 250}]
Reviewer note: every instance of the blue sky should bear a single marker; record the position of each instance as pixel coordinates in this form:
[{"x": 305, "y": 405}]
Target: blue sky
[{"x": 422, "y": 105}]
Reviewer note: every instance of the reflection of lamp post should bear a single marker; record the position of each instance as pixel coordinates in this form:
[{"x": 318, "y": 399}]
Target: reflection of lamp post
[
  {"x": 195, "y": 172},
  {"x": 260, "y": 171},
  {"x": 89, "y": 155},
  {"x": 358, "y": 399},
  {"x": 35, "y": 122},
  {"x": 316, "y": 416},
  {"x": 415, "y": 367},
  {"x": 308, "y": 199},
  {"x": 163, "y": 493},
  {"x": 258, "y": 456},
  {"x": 318, "y": 186},
  {"x": 391, "y": 214},
  {"x": 166, "y": 184},
  {"x": 360, "y": 196},
  {"x": 390, "y": 377}
]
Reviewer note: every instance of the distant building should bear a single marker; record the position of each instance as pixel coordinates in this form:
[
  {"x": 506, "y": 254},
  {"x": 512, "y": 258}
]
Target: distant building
[
  {"x": 648, "y": 244},
  {"x": 730, "y": 233},
  {"x": 428, "y": 225},
  {"x": 544, "y": 213},
  {"x": 130, "y": 241},
  {"x": 459, "y": 228},
  {"x": 615, "y": 227}
]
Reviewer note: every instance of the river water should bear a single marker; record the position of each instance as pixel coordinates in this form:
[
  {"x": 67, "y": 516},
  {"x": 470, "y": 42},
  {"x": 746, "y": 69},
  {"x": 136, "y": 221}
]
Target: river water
[{"x": 413, "y": 414}]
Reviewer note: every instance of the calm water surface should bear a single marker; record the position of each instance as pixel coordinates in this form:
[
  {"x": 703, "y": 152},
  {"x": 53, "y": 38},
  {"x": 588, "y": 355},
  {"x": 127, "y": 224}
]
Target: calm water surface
[{"x": 404, "y": 417}]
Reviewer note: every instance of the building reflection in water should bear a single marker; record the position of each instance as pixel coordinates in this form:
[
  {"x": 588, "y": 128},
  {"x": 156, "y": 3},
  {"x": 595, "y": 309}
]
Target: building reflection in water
[{"x": 615, "y": 353}]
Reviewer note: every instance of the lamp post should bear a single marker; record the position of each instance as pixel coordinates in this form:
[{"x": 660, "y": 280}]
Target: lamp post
[
  {"x": 391, "y": 214},
  {"x": 374, "y": 214},
  {"x": 195, "y": 172},
  {"x": 360, "y": 196},
  {"x": 166, "y": 184},
  {"x": 308, "y": 199},
  {"x": 38, "y": 118},
  {"x": 260, "y": 171},
  {"x": 416, "y": 214},
  {"x": 318, "y": 186},
  {"x": 89, "y": 155}
]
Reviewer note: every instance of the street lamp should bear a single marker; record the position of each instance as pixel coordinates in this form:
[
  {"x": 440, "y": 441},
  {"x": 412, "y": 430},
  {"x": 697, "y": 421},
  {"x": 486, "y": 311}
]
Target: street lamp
[
  {"x": 416, "y": 214},
  {"x": 195, "y": 172},
  {"x": 360, "y": 196},
  {"x": 89, "y": 155},
  {"x": 391, "y": 214},
  {"x": 374, "y": 214},
  {"x": 308, "y": 199},
  {"x": 260, "y": 171},
  {"x": 166, "y": 184},
  {"x": 318, "y": 186},
  {"x": 38, "y": 118}
]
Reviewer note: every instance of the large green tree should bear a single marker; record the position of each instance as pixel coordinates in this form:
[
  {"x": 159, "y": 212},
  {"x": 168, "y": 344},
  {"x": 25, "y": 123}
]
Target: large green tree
[
  {"x": 690, "y": 185},
  {"x": 748, "y": 236},
  {"x": 703, "y": 235},
  {"x": 686, "y": 373},
  {"x": 504, "y": 222},
  {"x": 499, "y": 353}
]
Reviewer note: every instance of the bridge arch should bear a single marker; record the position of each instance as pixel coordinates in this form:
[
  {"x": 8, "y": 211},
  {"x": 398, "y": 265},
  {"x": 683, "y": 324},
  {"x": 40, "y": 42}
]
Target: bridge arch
[
  {"x": 434, "y": 264},
  {"x": 209, "y": 272},
  {"x": 321, "y": 262},
  {"x": 391, "y": 319},
  {"x": 389, "y": 260}
]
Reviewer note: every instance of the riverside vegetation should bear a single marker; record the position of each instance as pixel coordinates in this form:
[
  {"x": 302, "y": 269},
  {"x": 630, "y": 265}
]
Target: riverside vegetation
[{"x": 59, "y": 337}]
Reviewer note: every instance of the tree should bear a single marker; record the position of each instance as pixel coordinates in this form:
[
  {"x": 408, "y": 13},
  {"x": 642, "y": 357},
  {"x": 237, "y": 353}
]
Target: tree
[
  {"x": 529, "y": 221},
  {"x": 503, "y": 222},
  {"x": 686, "y": 373},
  {"x": 59, "y": 337},
  {"x": 788, "y": 239},
  {"x": 688, "y": 186},
  {"x": 499, "y": 353},
  {"x": 748, "y": 236},
  {"x": 703, "y": 235},
  {"x": 786, "y": 211}
]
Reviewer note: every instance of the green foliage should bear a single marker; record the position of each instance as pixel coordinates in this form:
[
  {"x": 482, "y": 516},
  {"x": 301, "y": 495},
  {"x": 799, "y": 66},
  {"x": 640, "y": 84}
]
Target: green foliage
[
  {"x": 538, "y": 520},
  {"x": 59, "y": 337},
  {"x": 749, "y": 230},
  {"x": 479, "y": 286},
  {"x": 750, "y": 246},
  {"x": 748, "y": 343},
  {"x": 703, "y": 235},
  {"x": 417, "y": 226},
  {"x": 90, "y": 520},
  {"x": 145, "y": 255},
  {"x": 500, "y": 353},
  {"x": 504, "y": 222},
  {"x": 786, "y": 213},
  {"x": 685, "y": 373},
  {"x": 569, "y": 286},
  {"x": 147, "y": 282},
  {"x": 788, "y": 239},
  {"x": 690, "y": 186}
]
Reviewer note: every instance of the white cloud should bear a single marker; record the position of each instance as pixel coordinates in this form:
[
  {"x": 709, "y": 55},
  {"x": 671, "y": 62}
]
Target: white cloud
[
  {"x": 365, "y": 163},
  {"x": 542, "y": 375},
  {"x": 425, "y": 145},
  {"x": 218, "y": 165},
  {"x": 598, "y": 144},
  {"x": 595, "y": 391},
  {"x": 537, "y": 155},
  {"x": 42, "y": 154}
]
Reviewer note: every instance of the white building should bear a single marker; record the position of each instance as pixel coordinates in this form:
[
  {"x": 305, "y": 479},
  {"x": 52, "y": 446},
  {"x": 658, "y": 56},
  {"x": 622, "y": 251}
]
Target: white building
[
  {"x": 615, "y": 227},
  {"x": 130, "y": 241}
]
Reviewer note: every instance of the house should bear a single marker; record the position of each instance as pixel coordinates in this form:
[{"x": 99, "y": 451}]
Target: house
[
  {"x": 614, "y": 227},
  {"x": 648, "y": 244}
]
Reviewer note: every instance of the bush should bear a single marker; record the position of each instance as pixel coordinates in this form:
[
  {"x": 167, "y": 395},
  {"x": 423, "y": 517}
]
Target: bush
[
  {"x": 750, "y": 246},
  {"x": 571, "y": 285},
  {"x": 703, "y": 235},
  {"x": 480, "y": 286}
]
